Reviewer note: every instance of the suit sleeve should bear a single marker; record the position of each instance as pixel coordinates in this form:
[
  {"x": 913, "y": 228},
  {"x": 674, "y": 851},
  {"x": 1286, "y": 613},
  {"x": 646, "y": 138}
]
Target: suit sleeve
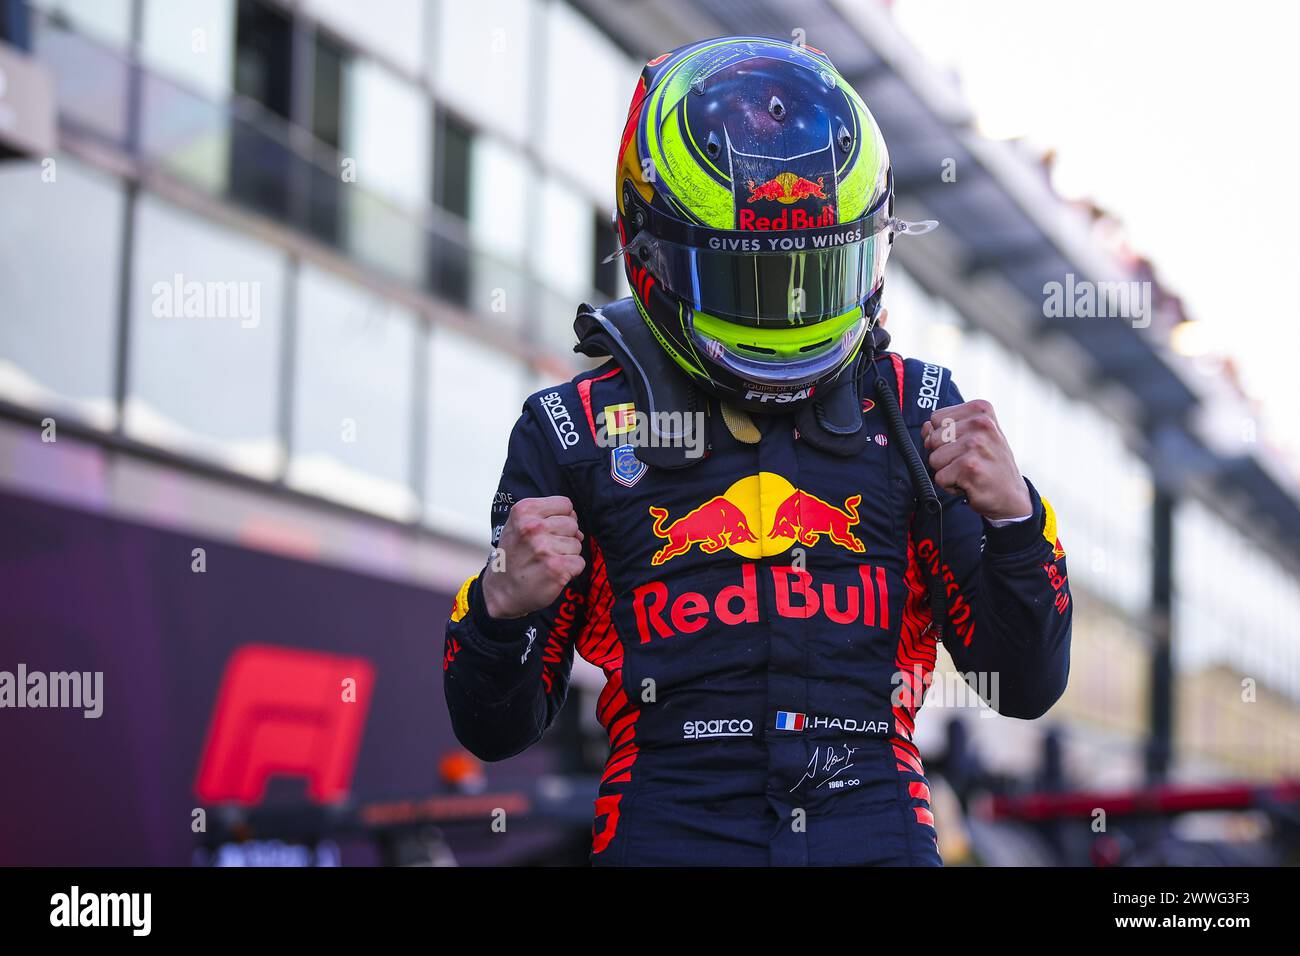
[
  {"x": 1009, "y": 602},
  {"x": 505, "y": 681}
]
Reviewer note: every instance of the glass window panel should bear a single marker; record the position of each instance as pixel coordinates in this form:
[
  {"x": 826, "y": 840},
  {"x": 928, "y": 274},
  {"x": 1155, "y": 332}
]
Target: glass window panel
[
  {"x": 60, "y": 254},
  {"x": 327, "y": 91},
  {"x": 106, "y": 20},
  {"x": 482, "y": 63},
  {"x": 498, "y": 181},
  {"x": 264, "y": 56},
  {"x": 498, "y": 285},
  {"x": 563, "y": 253},
  {"x": 380, "y": 233},
  {"x": 205, "y": 339},
  {"x": 386, "y": 134},
  {"x": 386, "y": 129},
  {"x": 92, "y": 81},
  {"x": 394, "y": 29},
  {"x": 555, "y": 312},
  {"x": 475, "y": 396},
  {"x": 192, "y": 41},
  {"x": 453, "y": 146},
  {"x": 449, "y": 266},
  {"x": 499, "y": 289},
  {"x": 589, "y": 84},
  {"x": 263, "y": 173},
  {"x": 353, "y": 392}
]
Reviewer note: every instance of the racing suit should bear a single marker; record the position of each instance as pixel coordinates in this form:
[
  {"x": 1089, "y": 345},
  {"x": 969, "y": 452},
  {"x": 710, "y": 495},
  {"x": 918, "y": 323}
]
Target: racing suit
[{"x": 762, "y": 622}]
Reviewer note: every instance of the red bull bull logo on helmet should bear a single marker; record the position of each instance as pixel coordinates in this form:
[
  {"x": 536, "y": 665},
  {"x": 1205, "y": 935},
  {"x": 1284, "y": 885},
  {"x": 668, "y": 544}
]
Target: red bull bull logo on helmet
[
  {"x": 758, "y": 515},
  {"x": 787, "y": 188}
]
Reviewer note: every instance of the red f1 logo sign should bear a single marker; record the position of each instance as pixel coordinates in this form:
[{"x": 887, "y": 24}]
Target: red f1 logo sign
[{"x": 285, "y": 711}]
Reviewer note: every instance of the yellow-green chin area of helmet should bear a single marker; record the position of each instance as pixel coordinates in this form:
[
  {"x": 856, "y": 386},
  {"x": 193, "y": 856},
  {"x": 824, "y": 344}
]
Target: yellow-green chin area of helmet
[{"x": 776, "y": 345}]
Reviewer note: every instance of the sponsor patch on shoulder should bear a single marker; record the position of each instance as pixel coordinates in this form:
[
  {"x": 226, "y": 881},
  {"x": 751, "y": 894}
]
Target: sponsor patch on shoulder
[
  {"x": 620, "y": 419},
  {"x": 625, "y": 467}
]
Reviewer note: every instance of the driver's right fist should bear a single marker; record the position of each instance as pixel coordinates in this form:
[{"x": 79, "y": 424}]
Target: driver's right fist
[{"x": 540, "y": 552}]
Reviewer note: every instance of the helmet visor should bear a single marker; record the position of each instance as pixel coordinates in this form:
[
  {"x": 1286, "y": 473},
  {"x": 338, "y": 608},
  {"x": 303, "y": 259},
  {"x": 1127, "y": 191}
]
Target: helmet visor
[{"x": 770, "y": 281}]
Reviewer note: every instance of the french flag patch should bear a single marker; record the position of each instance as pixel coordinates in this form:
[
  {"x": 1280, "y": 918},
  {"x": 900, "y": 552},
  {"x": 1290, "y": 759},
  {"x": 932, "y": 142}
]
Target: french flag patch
[{"x": 785, "y": 720}]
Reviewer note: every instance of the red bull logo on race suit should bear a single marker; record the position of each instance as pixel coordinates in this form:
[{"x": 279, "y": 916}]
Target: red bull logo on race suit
[
  {"x": 758, "y": 515},
  {"x": 714, "y": 525},
  {"x": 806, "y": 518}
]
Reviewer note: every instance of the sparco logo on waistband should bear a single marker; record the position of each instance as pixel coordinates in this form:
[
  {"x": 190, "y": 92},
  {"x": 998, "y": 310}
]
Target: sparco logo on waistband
[
  {"x": 733, "y": 727},
  {"x": 561, "y": 420}
]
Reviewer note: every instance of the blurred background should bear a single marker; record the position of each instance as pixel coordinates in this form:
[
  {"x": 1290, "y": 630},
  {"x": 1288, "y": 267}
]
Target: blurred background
[{"x": 275, "y": 276}]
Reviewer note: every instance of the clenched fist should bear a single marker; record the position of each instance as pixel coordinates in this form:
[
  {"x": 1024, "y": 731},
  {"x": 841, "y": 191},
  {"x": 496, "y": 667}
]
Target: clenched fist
[
  {"x": 970, "y": 456},
  {"x": 540, "y": 552}
]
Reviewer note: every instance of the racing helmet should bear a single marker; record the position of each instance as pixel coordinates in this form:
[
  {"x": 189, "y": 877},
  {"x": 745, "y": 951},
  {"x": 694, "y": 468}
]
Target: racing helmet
[{"x": 754, "y": 216}]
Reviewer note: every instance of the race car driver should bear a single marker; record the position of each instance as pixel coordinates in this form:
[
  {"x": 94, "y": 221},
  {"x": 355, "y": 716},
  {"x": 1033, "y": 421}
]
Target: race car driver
[{"x": 756, "y": 520}]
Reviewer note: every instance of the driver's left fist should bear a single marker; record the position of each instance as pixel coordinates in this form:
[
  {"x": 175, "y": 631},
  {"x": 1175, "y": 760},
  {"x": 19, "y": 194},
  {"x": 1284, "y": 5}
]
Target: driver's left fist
[{"x": 970, "y": 456}]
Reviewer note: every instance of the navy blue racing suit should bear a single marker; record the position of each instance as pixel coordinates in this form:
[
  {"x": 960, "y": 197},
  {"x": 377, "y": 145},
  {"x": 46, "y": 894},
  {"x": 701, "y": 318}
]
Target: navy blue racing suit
[{"x": 762, "y": 622}]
